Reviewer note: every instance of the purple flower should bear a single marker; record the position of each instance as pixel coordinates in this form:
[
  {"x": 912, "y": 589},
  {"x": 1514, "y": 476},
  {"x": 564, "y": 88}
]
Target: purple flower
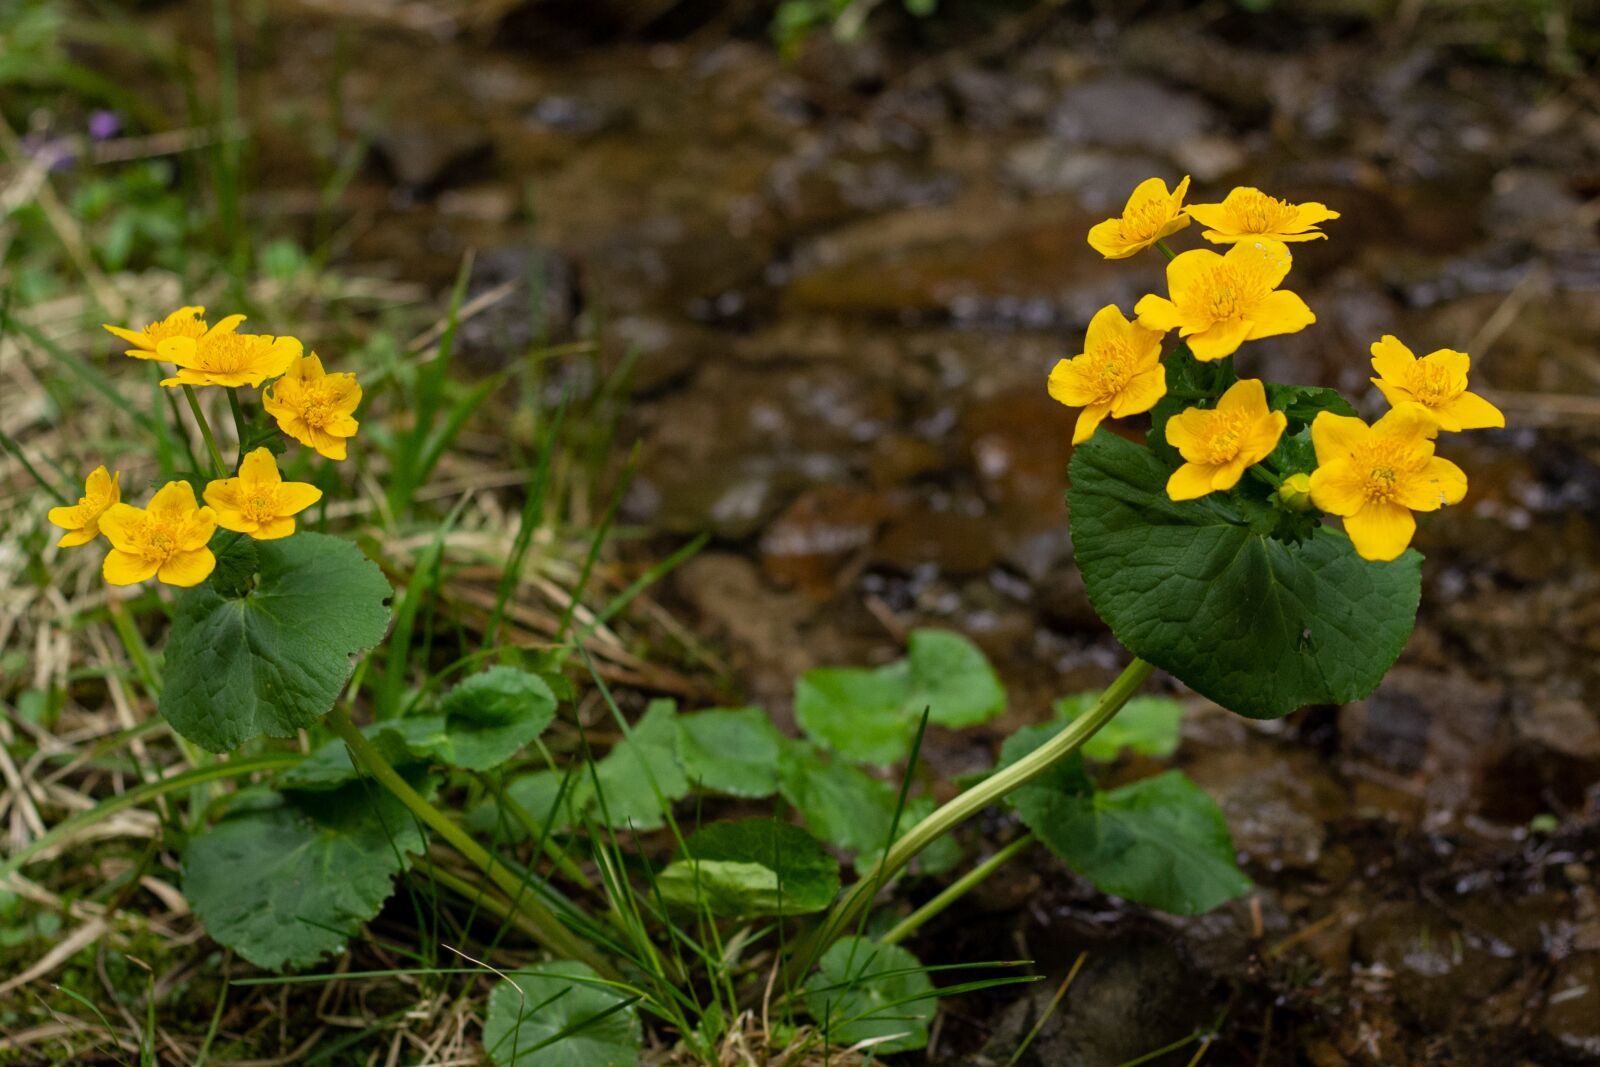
[{"x": 104, "y": 125}]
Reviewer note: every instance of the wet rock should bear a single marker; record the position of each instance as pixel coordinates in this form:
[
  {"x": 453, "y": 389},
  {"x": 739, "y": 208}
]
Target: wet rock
[
  {"x": 824, "y": 529},
  {"x": 1019, "y": 442},
  {"x": 1118, "y": 111},
  {"x": 763, "y": 626},
  {"x": 539, "y": 304},
  {"x": 1566, "y": 725},
  {"x": 1277, "y": 802},
  {"x": 1131, "y": 997},
  {"x": 1572, "y": 1006},
  {"x": 1098, "y": 180},
  {"x": 425, "y": 152},
  {"x": 1436, "y": 970},
  {"x": 953, "y": 542}
]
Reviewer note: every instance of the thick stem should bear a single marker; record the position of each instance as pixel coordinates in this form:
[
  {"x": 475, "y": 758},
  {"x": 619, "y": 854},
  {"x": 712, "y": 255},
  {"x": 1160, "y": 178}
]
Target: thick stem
[
  {"x": 240, "y": 426},
  {"x": 205, "y": 432},
  {"x": 552, "y": 934},
  {"x": 974, "y": 800},
  {"x": 957, "y": 889},
  {"x": 1169, "y": 253}
]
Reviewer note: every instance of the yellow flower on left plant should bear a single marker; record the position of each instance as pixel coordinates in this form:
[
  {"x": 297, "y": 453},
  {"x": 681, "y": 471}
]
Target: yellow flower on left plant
[
  {"x": 1119, "y": 372},
  {"x": 259, "y": 502},
  {"x": 187, "y": 322},
  {"x": 165, "y": 540},
  {"x": 223, "y": 356},
  {"x": 82, "y": 520}
]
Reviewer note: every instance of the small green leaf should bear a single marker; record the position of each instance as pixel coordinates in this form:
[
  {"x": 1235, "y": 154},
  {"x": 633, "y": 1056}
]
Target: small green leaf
[
  {"x": 865, "y": 991},
  {"x": 640, "y": 777},
  {"x": 272, "y": 659},
  {"x": 841, "y": 804},
  {"x": 329, "y": 767},
  {"x": 1259, "y": 625},
  {"x": 1146, "y": 725},
  {"x": 953, "y": 678},
  {"x": 490, "y": 716},
  {"x": 287, "y": 884},
  {"x": 539, "y": 795},
  {"x": 1301, "y": 404},
  {"x": 731, "y": 750},
  {"x": 753, "y": 867},
  {"x": 560, "y": 1015},
  {"x": 859, "y": 714}
]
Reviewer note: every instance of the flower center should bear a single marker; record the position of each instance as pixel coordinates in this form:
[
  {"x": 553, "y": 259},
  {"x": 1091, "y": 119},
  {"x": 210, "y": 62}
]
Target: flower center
[
  {"x": 1386, "y": 464},
  {"x": 318, "y": 411},
  {"x": 1261, "y": 213},
  {"x": 175, "y": 326},
  {"x": 261, "y": 507},
  {"x": 1225, "y": 294},
  {"x": 1430, "y": 383},
  {"x": 229, "y": 353},
  {"x": 1144, "y": 221},
  {"x": 1224, "y": 436},
  {"x": 1111, "y": 365}
]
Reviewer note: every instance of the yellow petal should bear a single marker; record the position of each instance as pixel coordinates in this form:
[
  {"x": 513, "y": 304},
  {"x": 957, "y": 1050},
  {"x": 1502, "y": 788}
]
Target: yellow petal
[
  {"x": 1392, "y": 359},
  {"x": 118, "y": 524},
  {"x": 188, "y": 568},
  {"x": 294, "y": 497},
  {"x": 140, "y": 341},
  {"x": 174, "y": 498},
  {"x": 227, "y": 325},
  {"x": 1279, "y": 313},
  {"x": 328, "y": 445},
  {"x": 1264, "y": 436},
  {"x": 1336, "y": 437},
  {"x": 1216, "y": 216},
  {"x": 1265, "y": 261},
  {"x": 1068, "y": 385},
  {"x": 1407, "y": 420},
  {"x": 274, "y": 529},
  {"x": 1456, "y": 364},
  {"x": 1311, "y": 214},
  {"x": 1227, "y": 475},
  {"x": 1190, "y": 481},
  {"x": 75, "y": 538},
  {"x": 1088, "y": 419},
  {"x": 1149, "y": 189},
  {"x": 1187, "y": 271},
  {"x": 1247, "y": 396},
  {"x": 260, "y": 467},
  {"x": 1186, "y": 430},
  {"x": 1176, "y": 223},
  {"x": 180, "y": 350},
  {"x": 1380, "y": 531},
  {"x": 1339, "y": 488},
  {"x": 1436, "y": 485},
  {"x": 1218, "y": 341},
  {"x": 1157, "y": 313},
  {"x": 1106, "y": 238},
  {"x": 1469, "y": 411},
  {"x": 125, "y": 568},
  {"x": 1141, "y": 393},
  {"x": 1179, "y": 191},
  {"x": 68, "y": 517},
  {"x": 1108, "y": 324},
  {"x": 1395, "y": 393}
]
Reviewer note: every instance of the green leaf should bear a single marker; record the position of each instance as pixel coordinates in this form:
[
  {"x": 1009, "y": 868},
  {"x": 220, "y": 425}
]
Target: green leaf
[
  {"x": 272, "y": 659},
  {"x": 1146, "y": 725},
  {"x": 1161, "y": 841},
  {"x": 1303, "y": 403},
  {"x": 537, "y": 794},
  {"x": 1066, "y": 778},
  {"x": 286, "y": 885},
  {"x": 1258, "y": 625},
  {"x": 731, "y": 750},
  {"x": 859, "y": 714},
  {"x": 640, "y": 777},
  {"x": 871, "y": 716},
  {"x": 864, "y": 991},
  {"x": 560, "y": 1015},
  {"x": 753, "y": 867},
  {"x": 490, "y": 716},
  {"x": 841, "y": 804},
  {"x": 329, "y": 767},
  {"x": 953, "y": 678}
]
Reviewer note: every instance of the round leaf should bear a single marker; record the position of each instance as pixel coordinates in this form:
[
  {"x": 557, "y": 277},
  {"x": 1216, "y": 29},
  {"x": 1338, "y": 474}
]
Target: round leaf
[
  {"x": 1259, "y": 625},
  {"x": 859, "y": 714},
  {"x": 640, "y": 777},
  {"x": 953, "y": 679},
  {"x": 560, "y": 1015},
  {"x": 864, "y": 991},
  {"x": 1146, "y": 725},
  {"x": 754, "y": 867},
  {"x": 731, "y": 750},
  {"x": 272, "y": 658},
  {"x": 490, "y": 716}
]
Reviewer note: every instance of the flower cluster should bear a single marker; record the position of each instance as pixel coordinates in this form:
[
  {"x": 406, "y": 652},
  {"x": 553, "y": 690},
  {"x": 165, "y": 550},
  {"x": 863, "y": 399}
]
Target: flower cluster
[
  {"x": 1373, "y": 477},
  {"x": 169, "y": 538}
]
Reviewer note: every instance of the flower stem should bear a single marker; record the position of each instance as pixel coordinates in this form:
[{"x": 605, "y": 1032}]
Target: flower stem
[
  {"x": 974, "y": 800},
  {"x": 1169, "y": 253},
  {"x": 550, "y": 932},
  {"x": 205, "y": 431},
  {"x": 240, "y": 427},
  {"x": 956, "y": 890}
]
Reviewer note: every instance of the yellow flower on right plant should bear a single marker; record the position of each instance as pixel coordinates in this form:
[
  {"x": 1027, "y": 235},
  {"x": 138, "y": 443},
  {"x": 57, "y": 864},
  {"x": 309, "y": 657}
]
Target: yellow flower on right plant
[
  {"x": 1218, "y": 302},
  {"x": 259, "y": 502},
  {"x": 314, "y": 407},
  {"x": 1437, "y": 381},
  {"x": 187, "y": 322},
  {"x": 1219, "y": 444},
  {"x": 1375, "y": 476},
  {"x": 1247, "y": 214}
]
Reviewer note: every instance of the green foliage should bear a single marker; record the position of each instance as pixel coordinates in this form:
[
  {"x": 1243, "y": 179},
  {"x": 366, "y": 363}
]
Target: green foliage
[
  {"x": 640, "y": 777},
  {"x": 539, "y": 795},
  {"x": 560, "y": 1015},
  {"x": 1145, "y": 725},
  {"x": 871, "y": 716},
  {"x": 754, "y": 867},
  {"x": 273, "y": 658},
  {"x": 1259, "y": 625},
  {"x": 731, "y": 750},
  {"x": 864, "y": 991},
  {"x": 1161, "y": 841},
  {"x": 287, "y": 881},
  {"x": 490, "y": 716},
  {"x": 841, "y": 804}
]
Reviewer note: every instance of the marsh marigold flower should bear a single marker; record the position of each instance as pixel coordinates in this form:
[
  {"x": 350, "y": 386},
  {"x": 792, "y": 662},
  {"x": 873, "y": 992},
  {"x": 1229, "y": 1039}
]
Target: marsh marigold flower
[
  {"x": 1248, "y": 214},
  {"x": 1219, "y": 444},
  {"x": 225, "y": 357},
  {"x": 1295, "y": 492},
  {"x": 1150, "y": 214},
  {"x": 166, "y": 540},
  {"x": 187, "y": 322},
  {"x": 1218, "y": 302},
  {"x": 1376, "y": 476},
  {"x": 313, "y": 407},
  {"x": 82, "y": 520},
  {"x": 1119, "y": 372},
  {"x": 259, "y": 502},
  {"x": 1437, "y": 381}
]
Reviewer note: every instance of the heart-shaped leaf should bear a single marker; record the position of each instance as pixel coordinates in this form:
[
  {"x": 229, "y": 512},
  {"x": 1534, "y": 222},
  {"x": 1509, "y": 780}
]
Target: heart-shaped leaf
[
  {"x": 754, "y": 867},
  {"x": 731, "y": 750}
]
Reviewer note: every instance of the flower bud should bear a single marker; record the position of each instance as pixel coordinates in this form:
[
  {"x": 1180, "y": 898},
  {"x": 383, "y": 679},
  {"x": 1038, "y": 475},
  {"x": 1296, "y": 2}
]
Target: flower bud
[{"x": 1295, "y": 492}]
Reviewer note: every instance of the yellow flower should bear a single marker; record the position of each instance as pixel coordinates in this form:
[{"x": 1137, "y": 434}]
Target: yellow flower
[
  {"x": 1437, "y": 381},
  {"x": 315, "y": 408},
  {"x": 1220, "y": 443},
  {"x": 1119, "y": 372},
  {"x": 187, "y": 322},
  {"x": 82, "y": 520},
  {"x": 1376, "y": 476},
  {"x": 1295, "y": 492},
  {"x": 165, "y": 540},
  {"x": 1221, "y": 301},
  {"x": 226, "y": 357},
  {"x": 1246, "y": 214},
  {"x": 1150, "y": 214},
  {"x": 259, "y": 502}
]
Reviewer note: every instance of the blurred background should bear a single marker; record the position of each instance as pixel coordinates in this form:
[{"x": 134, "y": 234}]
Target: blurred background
[{"x": 800, "y": 271}]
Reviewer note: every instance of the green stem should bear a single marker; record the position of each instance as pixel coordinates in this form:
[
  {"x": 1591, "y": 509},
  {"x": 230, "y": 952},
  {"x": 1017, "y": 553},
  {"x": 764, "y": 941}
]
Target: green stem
[
  {"x": 1169, "y": 253},
  {"x": 535, "y": 832},
  {"x": 205, "y": 432},
  {"x": 974, "y": 800},
  {"x": 957, "y": 889},
  {"x": 551, "y": 933},
  {"x": 1262, "y": 474},
  {"x": 240, "y": 427}
]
